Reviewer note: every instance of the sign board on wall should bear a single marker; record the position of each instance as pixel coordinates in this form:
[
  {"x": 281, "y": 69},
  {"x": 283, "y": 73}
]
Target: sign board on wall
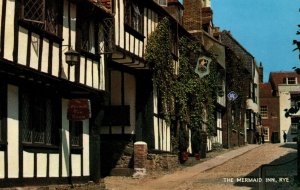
[{"x": 79, "y": 109}]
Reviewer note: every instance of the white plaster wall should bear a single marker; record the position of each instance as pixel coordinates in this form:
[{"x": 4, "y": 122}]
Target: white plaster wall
[
  {"x": 9, "y": 28},
  {"x": 89, "y": 73},
  {"x": 209, "y": 144},
  {"x": 132, "y": 39},
  {"x": 45, "y": 53},
  {"x": 284, "y": 103},
  {"x": 65, "y": 139},
  {"x": 55, "y": 59},
  {"x": 86, "y": 148},
  {"x": 22, "y": 51},
  {"x": 127, "y": 41},
  {"x": 76, "y": 161},
  {"x": 96, "y": 75},
  {"x": 2, "y": 171},
  {"x": 34, "y": 51},
  {"x": 66, "y": 36},
  {"x": 219, "y": 124},
  {"x": 130, "y": 94},
  {"x": 41, "y": 165},
  {"x": 102, "y": 73},
  {"x": 54, "y": 165},
  {"x": 13, "y": 131},
  {"x": 155, "y": 128},
  {"x": 122, "y": 31},
  {"x": 82, "y": 69},
  {"x": 28, "y": 166},
  {"x": 206, "y": 3},
  {"x": 162, "y": 134}
]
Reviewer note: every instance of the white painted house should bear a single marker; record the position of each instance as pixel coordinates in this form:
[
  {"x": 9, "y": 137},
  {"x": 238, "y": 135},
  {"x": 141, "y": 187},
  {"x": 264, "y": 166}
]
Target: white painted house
[
  {"x": 38, "y": 143},
  {"x": 288, "y": 89}
]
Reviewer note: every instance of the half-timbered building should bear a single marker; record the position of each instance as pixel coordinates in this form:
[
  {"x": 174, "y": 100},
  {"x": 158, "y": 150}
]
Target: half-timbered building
[
  {"x": 39, "y": 141},
  {"x": 133, "y": 111}
]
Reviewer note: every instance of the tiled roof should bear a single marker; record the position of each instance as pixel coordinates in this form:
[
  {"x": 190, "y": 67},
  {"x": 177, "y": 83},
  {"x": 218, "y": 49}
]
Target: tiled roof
[{"x": 277, "y": 78}]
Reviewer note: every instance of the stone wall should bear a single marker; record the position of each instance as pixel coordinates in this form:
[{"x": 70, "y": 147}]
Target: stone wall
[{"x": 162, "y": 161}]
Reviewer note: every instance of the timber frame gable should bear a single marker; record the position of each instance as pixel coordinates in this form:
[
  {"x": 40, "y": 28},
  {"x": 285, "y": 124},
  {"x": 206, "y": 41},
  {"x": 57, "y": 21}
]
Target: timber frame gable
[{"x": 37, "y": 139}]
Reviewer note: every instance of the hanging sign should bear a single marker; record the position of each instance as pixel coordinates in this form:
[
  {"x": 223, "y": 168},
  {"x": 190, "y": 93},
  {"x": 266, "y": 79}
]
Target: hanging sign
[
  {"x": 202, "y": 66},
  {"x": 232, "y": 96},
  {"x": 79, "y": 109}
]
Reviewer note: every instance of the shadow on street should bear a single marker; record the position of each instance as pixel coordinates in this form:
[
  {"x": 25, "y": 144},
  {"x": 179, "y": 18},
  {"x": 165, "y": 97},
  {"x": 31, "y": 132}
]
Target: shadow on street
[{"x": 278, "y": 174}]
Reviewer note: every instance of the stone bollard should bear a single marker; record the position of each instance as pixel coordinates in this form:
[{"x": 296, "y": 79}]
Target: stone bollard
[{"x": 140, "y": 158}]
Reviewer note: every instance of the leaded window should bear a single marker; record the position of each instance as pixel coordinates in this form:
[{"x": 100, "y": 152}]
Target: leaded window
[
  {"x": 39, "y": 119},
  {"x": 133, "y": 15},
  {"x": 42, "y": 14},
  {"x": 76, "y": 133},
  {"x": 87, "y": 29}
]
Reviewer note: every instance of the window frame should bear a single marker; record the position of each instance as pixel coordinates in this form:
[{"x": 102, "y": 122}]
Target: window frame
[
  {"x": 294, "y": 128},
  {"x": 129, "y": 13},
  {"x": 30, "y": 127},
  {"x": 294, "y": 125},
  {"x": 290, "y": 80},
  {"x": 90, "y": 36},
  {"x": 76, "y": 131},
  {"x": 266, "y": 135},
  {"x": 41, "y": 26},
  {"x": 264, "y": 113}
]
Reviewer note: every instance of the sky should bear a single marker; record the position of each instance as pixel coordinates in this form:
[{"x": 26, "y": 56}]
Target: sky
[{"x": 266, "y": 28}]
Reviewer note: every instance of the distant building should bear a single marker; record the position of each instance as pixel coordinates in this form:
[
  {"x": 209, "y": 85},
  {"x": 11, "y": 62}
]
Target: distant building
[{"x": 278, "y": 95}]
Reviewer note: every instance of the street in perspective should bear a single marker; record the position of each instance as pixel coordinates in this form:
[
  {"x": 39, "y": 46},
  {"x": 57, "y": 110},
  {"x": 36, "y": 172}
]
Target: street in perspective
[
  {"x": 256, "y": 167},
  {"x": 149, "y": 94}
]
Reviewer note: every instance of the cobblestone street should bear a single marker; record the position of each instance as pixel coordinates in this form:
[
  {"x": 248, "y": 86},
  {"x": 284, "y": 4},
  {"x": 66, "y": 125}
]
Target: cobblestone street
[{"x": 235, "y": 169}]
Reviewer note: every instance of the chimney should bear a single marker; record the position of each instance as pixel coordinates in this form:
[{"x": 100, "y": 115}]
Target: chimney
[
  {"x": 261, "y": 73},
  {"x": 192, "y": 20}
]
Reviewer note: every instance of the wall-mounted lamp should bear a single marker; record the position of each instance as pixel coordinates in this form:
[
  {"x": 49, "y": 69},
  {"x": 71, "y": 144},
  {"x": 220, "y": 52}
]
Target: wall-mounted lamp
[{"x": 72, "y": 57}]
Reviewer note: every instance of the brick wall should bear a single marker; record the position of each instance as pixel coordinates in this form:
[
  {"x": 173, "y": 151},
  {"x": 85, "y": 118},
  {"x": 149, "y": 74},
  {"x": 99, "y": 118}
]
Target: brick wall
[
  {"x": 273, "y": 115},
  {"x": 192, "y": 14},
  {"x": 140, "y": 154}
]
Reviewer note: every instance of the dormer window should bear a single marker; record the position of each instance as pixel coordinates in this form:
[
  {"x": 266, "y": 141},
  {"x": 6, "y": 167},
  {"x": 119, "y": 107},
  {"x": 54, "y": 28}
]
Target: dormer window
[
  {"x": 42, "y": 14},
  {"x": 163, "y": 3},
  {"x": 133, "y": 15},
  {"x": 290, "y": 80}
]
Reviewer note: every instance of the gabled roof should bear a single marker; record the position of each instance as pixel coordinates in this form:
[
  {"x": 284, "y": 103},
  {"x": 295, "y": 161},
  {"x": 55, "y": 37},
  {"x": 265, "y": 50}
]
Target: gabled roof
[{"x": 277, "y": 78}]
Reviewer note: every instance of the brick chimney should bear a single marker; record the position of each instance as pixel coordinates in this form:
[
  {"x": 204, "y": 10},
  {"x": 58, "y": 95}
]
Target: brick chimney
[
  {"x": 192, "y": 20},
  {"x": 261, "y": 73}
]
